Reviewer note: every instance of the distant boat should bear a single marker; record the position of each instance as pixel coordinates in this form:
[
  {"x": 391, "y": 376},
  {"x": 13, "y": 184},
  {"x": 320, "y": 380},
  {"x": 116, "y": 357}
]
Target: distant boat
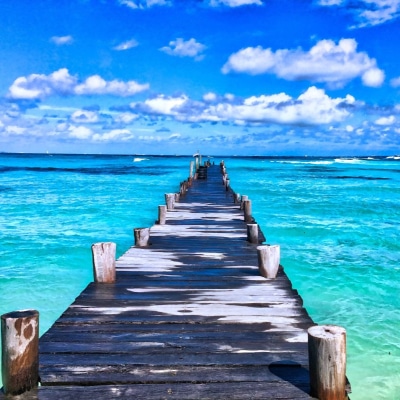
[{"x": 138, "y": 159}]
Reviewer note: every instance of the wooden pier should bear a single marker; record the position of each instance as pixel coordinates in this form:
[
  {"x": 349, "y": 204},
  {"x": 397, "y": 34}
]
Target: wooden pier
[{"x": 189, "y": 317}]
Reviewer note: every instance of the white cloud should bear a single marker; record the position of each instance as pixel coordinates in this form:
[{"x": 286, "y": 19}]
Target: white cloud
[
  {"x": 39, "y": 86},
  {"x": 182, "y": 48},
  {"x": 15, "y": 130},
  {"x": 329, "y": 2},
  {"x": 36, "y": 86},
  {"x": 84, "y": 116},
  {"x": 129, "y": 44},
  {"x": 395, "y": 82},
  {"x": 62, "y": 40},
  {"x": 374, "y": 77},
  {"x": 164, "y": 105},
  {"x": 210, "y": 96},
  {"x": 312, "y": 107},
  {"x": 385, "y": 121},
  {"x": 126, "y": 118},
  {"x": 325, "y": 62},
  {"x": 114, "y": 135},
  {"x": 80, "y": 132},
  {"x": 234, "y": 3},
  {"x": 368, "y": 12},
  {"x": 142, "y": 4},
  {"x": 97, "y": 85}
]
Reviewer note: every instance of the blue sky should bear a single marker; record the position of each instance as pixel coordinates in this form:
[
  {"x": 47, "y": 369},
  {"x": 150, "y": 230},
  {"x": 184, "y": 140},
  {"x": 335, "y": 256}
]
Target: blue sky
[{"x": 226, "y": 77}]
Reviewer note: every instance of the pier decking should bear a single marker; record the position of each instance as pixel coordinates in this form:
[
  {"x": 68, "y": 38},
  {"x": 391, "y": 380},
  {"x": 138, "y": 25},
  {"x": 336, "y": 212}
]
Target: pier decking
[{"x": 189, "y": 317}]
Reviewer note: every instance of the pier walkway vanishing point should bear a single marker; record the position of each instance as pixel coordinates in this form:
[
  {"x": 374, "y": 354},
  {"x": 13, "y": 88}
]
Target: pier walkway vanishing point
[{"x": 189, "y": 317}]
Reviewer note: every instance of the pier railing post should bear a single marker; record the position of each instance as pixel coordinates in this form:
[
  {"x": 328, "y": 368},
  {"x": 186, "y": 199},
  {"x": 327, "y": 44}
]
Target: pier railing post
[
  {"x": 162, "y": 214},
  {"x": 269, "y": 258},
  {"x": 247, "y": 210},
  {"x": 242, "y": 200},
  {"x": 104, "y": 262},
  {"x": 191, "y": 169},
  {"x": 142, "y": 236},
  {"x": 327, "y": 362},
  {"x": 252, "y": 233},
  {"x": 170, "y": 200},
  {"x": 20, "y": 351}
]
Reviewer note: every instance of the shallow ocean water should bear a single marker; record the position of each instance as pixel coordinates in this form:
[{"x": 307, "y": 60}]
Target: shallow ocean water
[{"x": 337, "y": 221}]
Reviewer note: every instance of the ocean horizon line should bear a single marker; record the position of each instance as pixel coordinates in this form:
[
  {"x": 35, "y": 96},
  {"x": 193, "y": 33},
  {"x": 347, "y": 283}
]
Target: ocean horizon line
[{"x": 340, "y": 156}]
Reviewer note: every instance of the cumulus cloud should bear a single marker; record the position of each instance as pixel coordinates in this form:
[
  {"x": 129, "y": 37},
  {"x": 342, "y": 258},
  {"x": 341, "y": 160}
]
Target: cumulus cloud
[
  {"x": 61, "y": 83},
  {"x": 97, "y": 85},
  {"x": 62, "y": 40},
  {"x": 385, "y": 121},
  {"x": 114, "y": 135},
  {"x": 162, "y": 105},
  {"x": 80, "y": 132},
  {"x": 182, "y": 48},
  {"x": 126, "y": 118},
  {"x": 84, "y": 116},
  {"x": 326, "y": 62},
  {"x": 312, "y": 107},
  {"x": 395, "y": 82},
  {"x": 142, "y": 4},
  {"x": 210, "y": 96},
  {"x": 234, "y": 3},
  {"x": 129, "y": 44},
  {"x": 373, "y": 77},
  {"x": 367, "y": 12}
]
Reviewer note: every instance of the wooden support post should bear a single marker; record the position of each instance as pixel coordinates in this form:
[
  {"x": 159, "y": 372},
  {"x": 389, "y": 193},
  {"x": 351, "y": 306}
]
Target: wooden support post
[
  {"x": 252, "y": 233},
  {"x": 20, "y": 351},
  {"x": 170, "y": 201},
  {"x": 236, "y": 198},
  {"x": 247, "y": 210},
  {"x": 162, "y": 214},
  {"x": 104, "y": 262},
  {"x": 269, "y": 258},
  {"x": 242, "y": 200},
  {"x": 177, "y": 197},
  {"x": 191, "y": 169},
  {"x": 327, "y": 362},
  {"x": 227, "y": 184},
  {"x": 142, "y": 236}
]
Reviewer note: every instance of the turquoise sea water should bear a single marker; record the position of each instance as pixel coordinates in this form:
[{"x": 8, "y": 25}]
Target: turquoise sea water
[{"x": 337, "y": 221}]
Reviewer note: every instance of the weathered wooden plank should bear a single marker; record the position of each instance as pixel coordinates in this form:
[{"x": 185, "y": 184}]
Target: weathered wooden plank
[
  {"x": 107, "y": 374},
  {"x": 191, "y": 391},
  {"x": 189, "y": 317}
]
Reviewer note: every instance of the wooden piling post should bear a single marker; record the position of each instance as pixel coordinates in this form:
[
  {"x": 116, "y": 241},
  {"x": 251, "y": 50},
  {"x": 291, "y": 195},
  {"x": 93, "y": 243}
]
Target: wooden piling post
[
  {"x": 191, "y": 169},
  {"x": 170, "y": 201},
  {"x": 327, "y": 362},
  {"x": 20, "y": 351},
  {"x": 177, "y": 197},
  {"x": 142, "y": 236},
  {"x": 252, "y": 233},
  {"x": 269, "y": 258},
  {"x": 247, "y": 210},
  {"x": 162, "y": 214},
  {"x": 242, "y": 200},
  {"x": 104, "y": 262}
]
